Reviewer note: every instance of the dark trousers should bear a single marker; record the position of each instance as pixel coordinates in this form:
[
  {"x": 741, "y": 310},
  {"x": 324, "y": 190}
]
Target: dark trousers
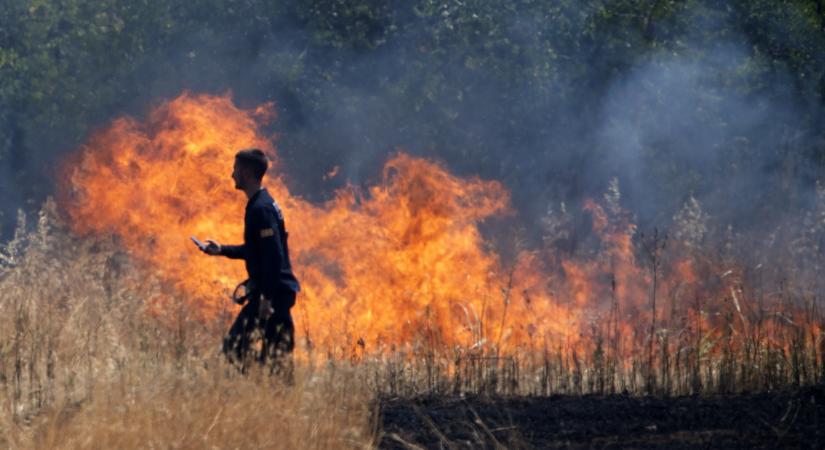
[{"x": 278, "y": 331}]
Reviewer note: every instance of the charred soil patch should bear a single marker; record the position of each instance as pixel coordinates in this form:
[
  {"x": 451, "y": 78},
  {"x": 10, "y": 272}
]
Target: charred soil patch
[{"x": 787, "y": 419}]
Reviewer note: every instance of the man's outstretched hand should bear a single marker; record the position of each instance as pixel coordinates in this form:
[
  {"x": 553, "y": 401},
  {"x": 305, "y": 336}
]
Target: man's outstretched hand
[{"x": 212, "y": 248}]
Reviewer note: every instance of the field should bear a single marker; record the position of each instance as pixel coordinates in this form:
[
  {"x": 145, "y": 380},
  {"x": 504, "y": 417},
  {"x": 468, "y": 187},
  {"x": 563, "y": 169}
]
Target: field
[{"x": 86, "y": 363}]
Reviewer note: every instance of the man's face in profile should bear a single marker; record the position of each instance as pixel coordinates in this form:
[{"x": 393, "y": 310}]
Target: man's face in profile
[{"x": 238, "y": 175}]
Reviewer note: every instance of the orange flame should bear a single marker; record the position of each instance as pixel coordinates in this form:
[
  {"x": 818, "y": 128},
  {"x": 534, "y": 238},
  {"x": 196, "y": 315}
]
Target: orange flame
[
  {"x": 405, "y": 263},
  {"x": 400, "y": 266}
]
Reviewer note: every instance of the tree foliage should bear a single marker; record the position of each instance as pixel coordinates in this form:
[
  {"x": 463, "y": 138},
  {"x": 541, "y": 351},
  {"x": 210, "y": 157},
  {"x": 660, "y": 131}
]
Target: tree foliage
[{"x": 512, "y": 89}]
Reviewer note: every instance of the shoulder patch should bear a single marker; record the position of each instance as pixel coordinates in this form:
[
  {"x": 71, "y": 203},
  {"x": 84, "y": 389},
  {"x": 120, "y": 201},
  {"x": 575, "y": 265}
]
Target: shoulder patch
[{"x": 267, "y": 232}]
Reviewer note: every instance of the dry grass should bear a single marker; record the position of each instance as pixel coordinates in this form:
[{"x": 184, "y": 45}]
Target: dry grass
[
  {"x": 84, "y": 365},
  {"x": 163, "y": 408}
]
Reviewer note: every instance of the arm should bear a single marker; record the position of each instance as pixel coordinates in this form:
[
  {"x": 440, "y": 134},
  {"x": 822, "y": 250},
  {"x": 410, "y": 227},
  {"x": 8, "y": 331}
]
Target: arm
[{"x": 230, "y": 251}]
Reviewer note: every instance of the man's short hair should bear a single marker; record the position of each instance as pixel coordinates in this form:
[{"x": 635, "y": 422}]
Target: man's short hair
[{"x": 255, "y": 159}]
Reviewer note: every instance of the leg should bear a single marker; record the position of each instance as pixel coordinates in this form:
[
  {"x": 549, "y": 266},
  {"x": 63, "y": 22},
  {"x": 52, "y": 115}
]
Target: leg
[
  {"x": 279, "y": 342},
  {"x": 237, "y": 341},
  {"x": 279, "y": 334}
]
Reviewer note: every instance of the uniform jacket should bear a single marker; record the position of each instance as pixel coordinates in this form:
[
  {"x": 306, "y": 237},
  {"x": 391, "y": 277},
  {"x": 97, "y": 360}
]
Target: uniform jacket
[{"x": 265, "y": 250}]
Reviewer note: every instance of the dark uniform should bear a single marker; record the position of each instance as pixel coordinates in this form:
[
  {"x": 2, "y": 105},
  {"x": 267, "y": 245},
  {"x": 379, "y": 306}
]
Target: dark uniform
[{"x": 266, "y": 255}]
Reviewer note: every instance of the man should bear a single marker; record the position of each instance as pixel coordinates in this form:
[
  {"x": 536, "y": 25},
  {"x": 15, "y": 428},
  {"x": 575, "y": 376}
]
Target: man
[{"x": 271, "y": 285}]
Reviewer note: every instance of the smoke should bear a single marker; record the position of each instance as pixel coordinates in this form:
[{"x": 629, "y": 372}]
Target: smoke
[
  {"x": 534, "y": 103},
  {"x": 675, "y": 128}
]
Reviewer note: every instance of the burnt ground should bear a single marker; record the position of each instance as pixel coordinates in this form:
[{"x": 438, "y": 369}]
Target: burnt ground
[{"x": 788, "y": 419}]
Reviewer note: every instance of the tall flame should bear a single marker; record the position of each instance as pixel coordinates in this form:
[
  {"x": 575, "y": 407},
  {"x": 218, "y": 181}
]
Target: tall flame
[{"x": 399, "y": 266}]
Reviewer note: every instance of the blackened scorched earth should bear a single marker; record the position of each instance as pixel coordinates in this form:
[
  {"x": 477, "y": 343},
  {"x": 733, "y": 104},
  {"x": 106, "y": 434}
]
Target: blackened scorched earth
[{"x": 785, "y": 419}]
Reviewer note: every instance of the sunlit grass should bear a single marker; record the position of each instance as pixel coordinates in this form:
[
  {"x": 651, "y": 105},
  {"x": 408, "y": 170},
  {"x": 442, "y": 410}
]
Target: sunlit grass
[{"x": 85, "y": 363}]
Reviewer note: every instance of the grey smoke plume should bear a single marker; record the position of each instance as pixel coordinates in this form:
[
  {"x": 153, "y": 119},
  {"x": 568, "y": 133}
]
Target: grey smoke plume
[
  {"x": 722, "y": 146},
  {"x": 677, "y": 121}
]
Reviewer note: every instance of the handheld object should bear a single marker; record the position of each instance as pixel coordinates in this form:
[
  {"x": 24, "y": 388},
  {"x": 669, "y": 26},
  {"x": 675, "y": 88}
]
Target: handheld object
[
  {"x": 200, "y": 244},
  {"x": 243, "y": 291}
]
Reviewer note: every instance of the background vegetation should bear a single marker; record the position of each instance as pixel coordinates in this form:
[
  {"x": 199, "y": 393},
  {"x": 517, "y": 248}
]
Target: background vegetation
[{"x": 719, "y": 100}]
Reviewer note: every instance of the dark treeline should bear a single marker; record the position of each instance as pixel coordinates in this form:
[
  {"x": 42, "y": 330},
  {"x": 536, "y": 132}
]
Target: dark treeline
[{"x": 722, "y": 101}]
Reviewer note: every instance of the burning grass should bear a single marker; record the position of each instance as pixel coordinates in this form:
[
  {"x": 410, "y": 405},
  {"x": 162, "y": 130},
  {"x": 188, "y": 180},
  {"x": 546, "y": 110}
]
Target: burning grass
[
  {"x": 402, "y": 267},
  {"x": 110, "y": 320},
  {"x": 87, "y": 362}
]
